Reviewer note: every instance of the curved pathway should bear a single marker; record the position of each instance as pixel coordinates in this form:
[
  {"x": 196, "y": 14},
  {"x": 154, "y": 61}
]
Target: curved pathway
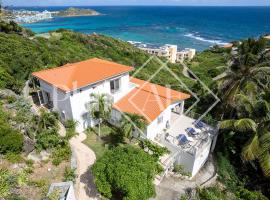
[{"x": 84, "y": 186}]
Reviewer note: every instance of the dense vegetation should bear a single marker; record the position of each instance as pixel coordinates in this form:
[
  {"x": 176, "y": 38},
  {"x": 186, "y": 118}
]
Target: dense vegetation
[
  {"x": 22, "y": 132},
  {"x": 11, "y": 141},
  {"x": 126, "y": 173},
  {"x": 244, "y": 115}
]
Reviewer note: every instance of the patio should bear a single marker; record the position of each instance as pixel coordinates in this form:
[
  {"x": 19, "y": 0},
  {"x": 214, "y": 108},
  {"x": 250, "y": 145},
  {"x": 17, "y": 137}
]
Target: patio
[
  {"x": 184, "y": 134},
  {"x": 189, "y": 142}
]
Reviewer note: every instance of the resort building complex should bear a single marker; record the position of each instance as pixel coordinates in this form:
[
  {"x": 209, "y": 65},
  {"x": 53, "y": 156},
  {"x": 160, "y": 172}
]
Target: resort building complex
[
  {"x": 170, "y": 52},
  {"x": 68, "y": 90},
  {"x": 24, "y": 16}
]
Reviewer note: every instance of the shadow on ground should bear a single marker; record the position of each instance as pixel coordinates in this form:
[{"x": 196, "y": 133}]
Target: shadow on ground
[{"x": 90, "y": 188}]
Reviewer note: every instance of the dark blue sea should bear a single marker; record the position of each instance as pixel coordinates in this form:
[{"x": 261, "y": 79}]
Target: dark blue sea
[{"x": 196, "y": 27}]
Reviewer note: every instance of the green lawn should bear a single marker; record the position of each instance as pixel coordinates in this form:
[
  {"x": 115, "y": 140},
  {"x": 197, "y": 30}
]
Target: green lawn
[
  {"x": 109, "y": 137},
  {"x": 99, "y": 145}
]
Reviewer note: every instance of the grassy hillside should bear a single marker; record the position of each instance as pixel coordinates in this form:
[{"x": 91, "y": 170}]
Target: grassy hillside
[
  {"x": 19, "y": 56},
  {"x": 210, "y": 63}
]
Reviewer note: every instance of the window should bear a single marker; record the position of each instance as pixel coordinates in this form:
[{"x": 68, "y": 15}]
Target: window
[
  {"x": 115, "y": 85},
  {"x": 160, "y": 119},
  {"x": 63, "y": 115}
]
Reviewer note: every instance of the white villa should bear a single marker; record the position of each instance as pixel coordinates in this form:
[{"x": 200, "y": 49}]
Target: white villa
[{"x": 67, "y": 90}]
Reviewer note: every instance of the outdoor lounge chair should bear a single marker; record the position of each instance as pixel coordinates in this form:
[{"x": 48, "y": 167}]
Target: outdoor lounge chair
[
  {"x": 183, "y": 140},
  {"x": 192, "y": 131},
  {"x": 199, "y": 124}
]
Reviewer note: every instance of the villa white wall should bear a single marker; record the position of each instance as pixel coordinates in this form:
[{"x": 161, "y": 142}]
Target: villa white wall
[
  {"x": 201, "y": 157},
  {"x": 80, "y": 98},
  {"x": 187, "y": 160},
  {"x": 61, "y": 101},
  {"x": 192, "y": 163},
  {"x": 155, "y": 128},
  {"x": 74, "y": 104}
]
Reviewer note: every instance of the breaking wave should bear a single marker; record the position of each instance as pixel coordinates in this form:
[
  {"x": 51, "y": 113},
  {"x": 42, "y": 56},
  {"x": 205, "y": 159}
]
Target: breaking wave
[{"x": 197, "y": 37}]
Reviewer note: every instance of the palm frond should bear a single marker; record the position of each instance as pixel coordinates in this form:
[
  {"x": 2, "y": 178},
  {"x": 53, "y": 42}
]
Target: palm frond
[
  {"x": 264, "y": 67},
  {"x": 265, "y": 164},
  {"x": 227, "y": 124},
  {"x": 250, "y": 88},
  {"x": 264, "y": 140},
  {"x": 245, "y": 124},
  {"x": 249, "y": 151},
  {"x": 244, "y": 100}
]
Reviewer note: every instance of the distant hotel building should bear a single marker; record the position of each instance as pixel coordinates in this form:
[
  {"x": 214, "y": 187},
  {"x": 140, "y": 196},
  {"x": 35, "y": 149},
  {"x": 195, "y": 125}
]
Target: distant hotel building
[{"x": 170, "y": 52}]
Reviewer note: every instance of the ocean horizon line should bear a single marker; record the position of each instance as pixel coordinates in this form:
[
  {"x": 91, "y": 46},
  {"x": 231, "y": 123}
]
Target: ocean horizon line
[{"x": 199, "y": 6}]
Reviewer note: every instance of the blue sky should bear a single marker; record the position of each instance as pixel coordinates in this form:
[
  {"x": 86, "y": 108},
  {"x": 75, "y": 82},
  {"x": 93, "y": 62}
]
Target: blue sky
[{"x": 137, "y": 2}]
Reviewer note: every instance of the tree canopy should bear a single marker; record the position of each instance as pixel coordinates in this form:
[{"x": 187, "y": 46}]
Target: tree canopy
[{"x": 126, "y": 173}]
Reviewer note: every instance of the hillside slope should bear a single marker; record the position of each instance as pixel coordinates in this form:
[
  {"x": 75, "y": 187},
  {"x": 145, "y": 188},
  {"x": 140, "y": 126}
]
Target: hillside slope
[{"x": 19, "y": 56}]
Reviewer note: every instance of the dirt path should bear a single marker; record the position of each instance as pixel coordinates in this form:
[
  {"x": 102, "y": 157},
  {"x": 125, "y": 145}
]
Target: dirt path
[{"x": 84, "y": 187}]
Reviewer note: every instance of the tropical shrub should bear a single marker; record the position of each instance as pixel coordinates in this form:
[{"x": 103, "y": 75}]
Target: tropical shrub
[
  {"x": 70, "y": 174},
  {"x": 250, "y": 195},
  {"x": 14, "y": 157},
  {"x": 154, "y": 149},
  {"x": 60, "y": 154},
  {"x": 70, "y": 128},
  {"x": 226, "y": 172},
  {"x": 47, "y": 139},
  {"x": 9, "y": 180},
  {"x": 12, "y": 27},
  {"x": 214, "y": 193},
  {"x": 4, "y": 183},
  {"x": 10, "y": 140},
  {"x": 55, "y": 195},
  {"x": 22, "y": 178},
  {"x": 131, "y": 177}
]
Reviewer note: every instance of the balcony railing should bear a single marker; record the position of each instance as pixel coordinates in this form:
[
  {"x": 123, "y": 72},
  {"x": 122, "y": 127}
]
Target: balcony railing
[{"x": 207, "y": 119}]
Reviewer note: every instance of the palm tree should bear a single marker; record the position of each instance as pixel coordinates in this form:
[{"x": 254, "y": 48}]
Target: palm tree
[
  {"x": 100, "y": 108},
  {"x": 248, "y": 71},
  {"x": 254, "y": 118},
  {"x": 132, "y": 122}
]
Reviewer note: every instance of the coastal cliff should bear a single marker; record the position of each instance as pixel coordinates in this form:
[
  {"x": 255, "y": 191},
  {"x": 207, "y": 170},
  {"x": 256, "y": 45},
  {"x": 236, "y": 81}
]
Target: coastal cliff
[{"x": 76, "y": 12}]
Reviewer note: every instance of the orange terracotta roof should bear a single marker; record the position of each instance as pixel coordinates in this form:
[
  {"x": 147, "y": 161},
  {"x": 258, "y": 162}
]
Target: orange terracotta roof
[
  {"x": 148, "y": 100},
  {"x": 81, "y": 74},
  {"x": 159, "y": 90}
]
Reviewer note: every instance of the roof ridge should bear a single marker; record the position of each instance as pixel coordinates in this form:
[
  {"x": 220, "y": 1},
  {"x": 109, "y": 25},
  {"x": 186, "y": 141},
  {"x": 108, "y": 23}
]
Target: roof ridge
[
  {"x": 53, "y": 68},
  {"x": 140, "y": 88},
  {"x": 82, "y": 72},
  {"x": 71, "y": 64},
  {"x": 65, "y": 65},
  {"x": 156, "y": 93}
]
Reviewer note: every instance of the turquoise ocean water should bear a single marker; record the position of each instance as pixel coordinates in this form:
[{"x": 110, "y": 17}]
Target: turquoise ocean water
[{"x": 196, "y": 27}]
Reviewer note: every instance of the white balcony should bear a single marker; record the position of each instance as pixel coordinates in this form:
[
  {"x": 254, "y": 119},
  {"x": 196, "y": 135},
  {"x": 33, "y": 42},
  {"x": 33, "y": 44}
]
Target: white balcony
[
  {"x": 185, "y": 135},
  {"x": 192, "y": 151}
]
